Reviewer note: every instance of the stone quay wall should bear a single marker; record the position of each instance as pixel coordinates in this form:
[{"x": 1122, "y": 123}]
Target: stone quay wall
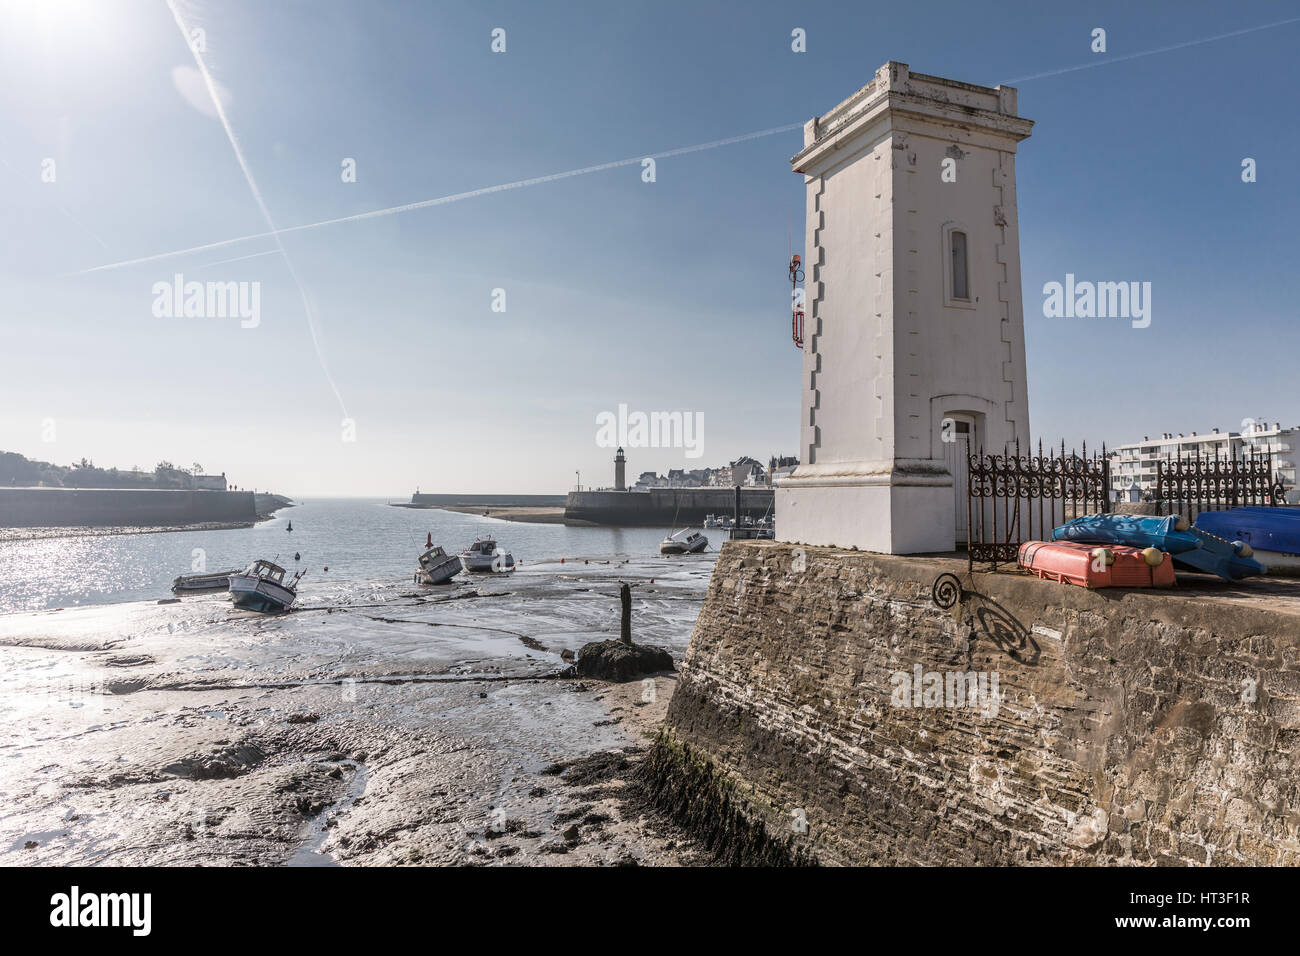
[{"x": 1128, "y": 727}]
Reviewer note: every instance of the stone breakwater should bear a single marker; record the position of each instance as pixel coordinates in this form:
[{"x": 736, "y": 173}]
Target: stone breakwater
[{"x": 1130, "y": 727}]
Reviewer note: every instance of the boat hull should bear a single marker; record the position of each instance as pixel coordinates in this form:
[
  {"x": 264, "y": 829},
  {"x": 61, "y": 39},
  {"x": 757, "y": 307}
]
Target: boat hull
[
  {"x": 1072, "y": 562},
  {"x": 1264, "y": 529},
  {"x": 485, "y": 564},
  {"x": 440, "y": 573},
  {"x": 257, "y": 594},
  {"x": 1136, "y": 531},
  {"x": 217, "y": 581}
]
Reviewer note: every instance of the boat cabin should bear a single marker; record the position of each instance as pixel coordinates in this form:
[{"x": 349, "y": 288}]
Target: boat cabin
[
  {"x": 487, "y": 547},
  {"x": 267, "y": 571}
]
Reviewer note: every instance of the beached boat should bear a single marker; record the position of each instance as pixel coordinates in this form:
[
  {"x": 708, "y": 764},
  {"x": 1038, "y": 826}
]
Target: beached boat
[
  {"x": 1272, "y": 533},
  {"x": 437, "y": 566},
  {"x": 684, "y": 542},
  {"x": 211, "y": 581},
  {"x": 1230, "y": 560},
  {"x": 1169, "y": 533},
  {"x": 1097, "y": 566},
  {"x": 484, "y": 555},
  {"x": 262, "y": 588}
]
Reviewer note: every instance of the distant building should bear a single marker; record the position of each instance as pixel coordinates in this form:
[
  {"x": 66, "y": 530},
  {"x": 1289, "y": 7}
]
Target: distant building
[
  {"x": 780, "y": 467},
  {"x": 620, "y": 471},
  {"x": 209, "y": 482},
  {"x": 1134, "y": 464}
]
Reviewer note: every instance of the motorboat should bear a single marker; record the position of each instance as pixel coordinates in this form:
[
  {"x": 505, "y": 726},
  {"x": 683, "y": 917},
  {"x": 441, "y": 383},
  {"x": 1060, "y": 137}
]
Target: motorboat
[
  {"x": 684, "y": 542},
  {"x": 484, "y": 555},
  {"x": 712, "y": 521},
  {"x": 210, "y": 581},
  {"x": 437, "y": 566},
  {"x": 262, "y": 588}
]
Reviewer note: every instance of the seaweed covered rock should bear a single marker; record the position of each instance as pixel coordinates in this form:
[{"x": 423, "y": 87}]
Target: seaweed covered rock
[{"x": 619, "y": 661}]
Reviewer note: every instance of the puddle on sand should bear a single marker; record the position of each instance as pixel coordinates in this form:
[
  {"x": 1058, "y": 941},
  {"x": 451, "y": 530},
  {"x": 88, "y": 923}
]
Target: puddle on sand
[{"x": 310, "y": 853}]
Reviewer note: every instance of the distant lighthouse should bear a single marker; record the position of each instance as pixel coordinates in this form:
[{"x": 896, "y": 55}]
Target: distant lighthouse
[{"x": 620, "y": 471}]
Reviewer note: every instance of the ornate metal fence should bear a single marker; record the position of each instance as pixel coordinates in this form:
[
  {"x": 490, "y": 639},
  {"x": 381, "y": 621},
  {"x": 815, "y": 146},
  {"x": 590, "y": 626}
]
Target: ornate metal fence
[
  {"x": 1012, "y": 498},
  {"x": 1191, "y": 485}
]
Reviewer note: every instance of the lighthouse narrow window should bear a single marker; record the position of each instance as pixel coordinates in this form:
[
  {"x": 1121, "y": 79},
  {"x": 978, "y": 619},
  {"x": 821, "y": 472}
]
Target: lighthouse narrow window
[{"x": 959, "y": 286}]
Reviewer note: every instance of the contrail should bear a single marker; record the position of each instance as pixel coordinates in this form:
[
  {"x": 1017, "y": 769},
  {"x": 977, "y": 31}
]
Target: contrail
[
  {"x": 254, "y": 255},
  {"x": 257, "y": 196},
  {"x": 454, "y": 197},
  {"x": 1163, "y": 49}
]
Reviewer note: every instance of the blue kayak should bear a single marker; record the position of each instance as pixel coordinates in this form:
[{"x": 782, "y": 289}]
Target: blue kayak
[
  {"x": 1264, "y": 529},
  {"x": 1138, "y": 531}
]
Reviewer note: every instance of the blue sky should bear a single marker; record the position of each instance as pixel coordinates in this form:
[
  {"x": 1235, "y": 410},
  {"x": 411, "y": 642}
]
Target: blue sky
[{"x": 665, "y": 295}]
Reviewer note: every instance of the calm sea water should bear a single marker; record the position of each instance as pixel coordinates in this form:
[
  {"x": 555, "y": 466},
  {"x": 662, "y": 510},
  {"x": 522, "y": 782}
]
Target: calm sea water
[{"x": 361, "y": 541}]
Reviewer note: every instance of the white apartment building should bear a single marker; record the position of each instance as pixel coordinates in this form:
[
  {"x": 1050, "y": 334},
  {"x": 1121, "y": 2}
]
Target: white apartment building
[{"x": 1134, "y": 464}]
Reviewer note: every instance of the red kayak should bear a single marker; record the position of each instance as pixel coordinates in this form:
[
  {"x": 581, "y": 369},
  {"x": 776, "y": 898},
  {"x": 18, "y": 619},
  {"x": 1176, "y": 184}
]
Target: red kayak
[{"x": 1098, "y": 566}]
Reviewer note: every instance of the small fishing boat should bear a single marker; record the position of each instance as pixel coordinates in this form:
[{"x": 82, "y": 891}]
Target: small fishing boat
[
  {"x": 1272, "y": 533},
  {"x": 712, "y": 521},
  {"x": 437, "y": 566},
  {"x": 684, "y": 542},
  {"x": 262, "y": 588},
  {"x": 484, "y": 555},
  {"x": 211, "y": 581},
  {"x": 1092, "y": 566}
]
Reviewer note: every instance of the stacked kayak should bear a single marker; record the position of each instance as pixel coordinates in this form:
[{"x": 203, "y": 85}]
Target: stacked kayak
[
  {"x": 1092, "y": 566},
  {"x": 1193, "y": 549},
  {"x": 1273, "y": 533}
]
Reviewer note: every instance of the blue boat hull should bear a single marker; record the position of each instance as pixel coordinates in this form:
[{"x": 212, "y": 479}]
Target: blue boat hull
[
  {"x": 1138, "y": 531},
  {"x": 1264, "y": 529}
]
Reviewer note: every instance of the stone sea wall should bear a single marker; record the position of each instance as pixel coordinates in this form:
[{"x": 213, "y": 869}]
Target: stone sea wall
[
  {"x": 1115, "y": 727},
  {"x": 660, "y": 506},
  {"x": 76, "y": 507}
]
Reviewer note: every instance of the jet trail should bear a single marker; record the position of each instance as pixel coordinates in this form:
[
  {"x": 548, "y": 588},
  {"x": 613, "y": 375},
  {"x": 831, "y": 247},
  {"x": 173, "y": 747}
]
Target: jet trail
[
  {"x": 454, "y": 197},
  {"x": 257, "y": 196},
  {"x": 1163, "y": 49}
]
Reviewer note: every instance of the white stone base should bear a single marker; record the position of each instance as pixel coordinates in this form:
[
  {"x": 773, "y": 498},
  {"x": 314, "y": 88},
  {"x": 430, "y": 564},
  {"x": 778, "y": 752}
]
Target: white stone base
[{"x": 897, "y": 508}]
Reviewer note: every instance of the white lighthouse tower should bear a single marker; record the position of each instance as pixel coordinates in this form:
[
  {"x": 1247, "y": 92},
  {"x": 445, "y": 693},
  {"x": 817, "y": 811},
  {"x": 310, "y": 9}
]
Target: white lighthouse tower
[{"x": 915, "y": 344}]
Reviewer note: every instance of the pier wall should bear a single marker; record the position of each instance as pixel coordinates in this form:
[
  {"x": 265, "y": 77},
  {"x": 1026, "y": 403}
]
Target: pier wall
[
  {"x": 419, "y": 500},
  {"x": 75, "y": 507},
  {"x": 658, "y": 506},
  {"x": 1130, "y": 727}
]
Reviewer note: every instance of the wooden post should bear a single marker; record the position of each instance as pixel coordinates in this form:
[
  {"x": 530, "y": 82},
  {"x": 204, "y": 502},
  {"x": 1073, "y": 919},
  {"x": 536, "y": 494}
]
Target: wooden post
[{"x": 625, "y": 598}]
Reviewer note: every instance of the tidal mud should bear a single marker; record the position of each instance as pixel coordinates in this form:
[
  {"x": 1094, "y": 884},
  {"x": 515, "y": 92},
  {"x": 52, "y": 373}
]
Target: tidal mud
[{"x": 385, "y": 725}]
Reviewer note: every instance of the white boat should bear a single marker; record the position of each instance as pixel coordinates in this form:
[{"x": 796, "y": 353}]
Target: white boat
[
  {"x": 262, "y": 588},
  {"x": 437, "y": 566},
  {"x": 212, "y": 581},
  {"x": 484, "y": 555},
  {"x": 684, "y": 542}
]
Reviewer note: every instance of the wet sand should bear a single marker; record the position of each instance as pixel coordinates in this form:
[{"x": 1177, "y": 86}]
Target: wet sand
[
  {"x": 532, "y": 515},
  {"x": 387, "y": 725}
]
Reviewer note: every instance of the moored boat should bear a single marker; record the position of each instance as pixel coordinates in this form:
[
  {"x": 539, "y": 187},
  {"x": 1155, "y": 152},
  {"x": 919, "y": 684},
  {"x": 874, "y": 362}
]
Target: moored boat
[
  {"x": 437, "y": 566},
  {"x": 210, "y": 581},
  {"x": 684, "y": 542},
  {"x": 262, "y": 588},
  {"x": 484, "y": 555}
]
